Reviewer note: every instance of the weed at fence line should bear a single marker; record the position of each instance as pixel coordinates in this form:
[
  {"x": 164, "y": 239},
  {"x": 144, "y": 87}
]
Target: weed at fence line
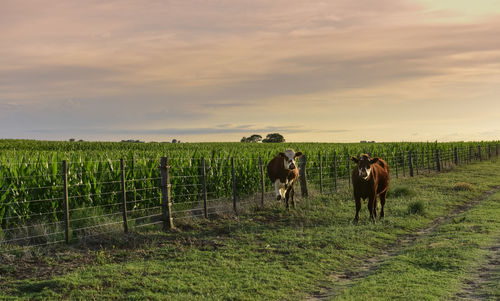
[
  {"x": 416, "y": 208},
  {"x": 463, "y": 186}
]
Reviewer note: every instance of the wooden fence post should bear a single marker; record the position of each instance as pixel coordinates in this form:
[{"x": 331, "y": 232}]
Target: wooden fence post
[
  {"x": 470, "y": 154},
  {"x": 410, "y": 162},
  {"x": 438, "y": 164},
  {"x": 262, "y": 186},
  {"x": 320, "y": 174},
  {"x": 489, "y": 151},
  {"x": 204, "y": 184},
  {"x": 66, "y": 201},
  {"x": 303, "y": 176},
  {"x": 166, "y": 202},
  {"x": 479, "y": 153},
  {"x": 233, "y": 179},
  {"x": 124, "y": 196}
]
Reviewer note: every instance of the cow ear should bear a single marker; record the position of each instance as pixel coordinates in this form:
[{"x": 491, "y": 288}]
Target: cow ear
[
  {"x": 282, "y": 155},
  {"x": 298, "y": 154},
  {"x": 354, "y": 159},
  {"x": 374, "y": 160}
]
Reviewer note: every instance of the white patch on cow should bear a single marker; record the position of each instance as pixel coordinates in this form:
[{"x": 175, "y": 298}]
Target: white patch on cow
[
  {"x": 280, "y": 188},
  {"x": 277, "y": 187},
  {"x": 289, "y": 160},
  {"x": 364, "y": 173},
  {"x": 368, "y": 171}
]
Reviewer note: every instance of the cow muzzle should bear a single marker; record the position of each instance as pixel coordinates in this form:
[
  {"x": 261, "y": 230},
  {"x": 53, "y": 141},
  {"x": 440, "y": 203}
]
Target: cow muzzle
[{"x": 364, "y": 173}]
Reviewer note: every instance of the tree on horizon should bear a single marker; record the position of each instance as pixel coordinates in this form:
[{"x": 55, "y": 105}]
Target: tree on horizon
[
  {"x": 254, "y": 138},
  {"x": 274, "y": 138}
]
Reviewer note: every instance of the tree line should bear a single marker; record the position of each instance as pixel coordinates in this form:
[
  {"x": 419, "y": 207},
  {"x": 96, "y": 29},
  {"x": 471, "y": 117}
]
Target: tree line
[{"x": 270, "y": 138}]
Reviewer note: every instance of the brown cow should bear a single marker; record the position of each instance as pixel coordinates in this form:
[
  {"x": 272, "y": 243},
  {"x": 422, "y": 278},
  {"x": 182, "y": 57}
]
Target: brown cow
[
  {"x": 370, "y": 178},
  {"x": 283, "y": 172}
]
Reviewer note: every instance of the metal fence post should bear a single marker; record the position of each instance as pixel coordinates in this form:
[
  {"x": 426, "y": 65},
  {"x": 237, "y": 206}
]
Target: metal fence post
[
  {"x": 429, "y": 151},
  {"x": 438, "y": 164},
  {"x": 124, "y": 196},
  {"x": 204, "y": 184},
  {"x": 403, "y": 159},
  {"x": 335, "y": 170},
  {"x": 455, "y": 152},
  {"x": 166, "y": 202},
  {"x": 233, "y": 179},
  {"x": 348, "y": 172},
  {"x": 320, "y": 174},
  {"x": 66, "y": 201},
  {"x": 303, "y": 176},
  {"x": 262, "y": 186},
  {"x": 416, "y": 161}
]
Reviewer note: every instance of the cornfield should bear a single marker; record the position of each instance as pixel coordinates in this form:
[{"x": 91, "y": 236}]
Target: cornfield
[{"x": 32, "y": 188}]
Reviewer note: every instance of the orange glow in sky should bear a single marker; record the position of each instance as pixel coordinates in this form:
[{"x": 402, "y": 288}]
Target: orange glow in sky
[{"x": 332, "y": 71}]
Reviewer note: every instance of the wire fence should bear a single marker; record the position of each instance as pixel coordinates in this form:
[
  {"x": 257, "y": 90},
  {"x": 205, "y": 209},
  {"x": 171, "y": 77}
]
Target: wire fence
[{"x": 69, "y": 201}]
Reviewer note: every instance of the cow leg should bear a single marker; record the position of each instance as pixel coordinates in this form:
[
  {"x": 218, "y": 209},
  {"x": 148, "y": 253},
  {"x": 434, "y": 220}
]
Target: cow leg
[
  {"x": 277, "y": 190},
  {"x": 372, "y": 207},
  {"x": 382, "y": 204},
  {"x": 358, "y": 207}
]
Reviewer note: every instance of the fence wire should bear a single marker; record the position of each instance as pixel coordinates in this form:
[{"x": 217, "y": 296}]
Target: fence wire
[{"x": 93, "y": 201}]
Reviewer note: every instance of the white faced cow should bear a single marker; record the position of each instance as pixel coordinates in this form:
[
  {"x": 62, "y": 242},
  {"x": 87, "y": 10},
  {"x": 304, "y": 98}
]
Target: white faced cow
[{"x": 283, "y": 172}]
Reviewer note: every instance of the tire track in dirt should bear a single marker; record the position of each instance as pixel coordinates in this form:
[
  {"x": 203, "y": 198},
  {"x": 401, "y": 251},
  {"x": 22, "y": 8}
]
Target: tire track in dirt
[
  {"x": 371, "y": 264},
  {"x": 488, "y": 273}
]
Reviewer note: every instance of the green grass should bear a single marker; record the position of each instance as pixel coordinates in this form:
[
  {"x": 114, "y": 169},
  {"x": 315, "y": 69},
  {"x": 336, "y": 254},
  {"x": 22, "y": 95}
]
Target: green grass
[
  {"x": 435, "y": 267},
  {"x": 417, "y": 207},
  {"x": 272, "y": 254}
]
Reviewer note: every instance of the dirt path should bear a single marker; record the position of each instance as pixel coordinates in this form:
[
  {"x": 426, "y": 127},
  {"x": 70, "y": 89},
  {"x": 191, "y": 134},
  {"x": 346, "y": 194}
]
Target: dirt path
[
  {"x": 371, "y": 264},
  {"x": 488, "y": 273}
]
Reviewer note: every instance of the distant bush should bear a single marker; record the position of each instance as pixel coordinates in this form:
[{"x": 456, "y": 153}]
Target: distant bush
[
  {"x": 274, "y": 138},
  {"x": 463, "y": 186},
  {"x": 254, "y": 138},
  {"x": 417, "y": 207},
  {"x": 401, "y": 191}
]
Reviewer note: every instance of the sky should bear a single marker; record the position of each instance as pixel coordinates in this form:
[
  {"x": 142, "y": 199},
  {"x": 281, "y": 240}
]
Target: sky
[{"x": 203, "y": 70}]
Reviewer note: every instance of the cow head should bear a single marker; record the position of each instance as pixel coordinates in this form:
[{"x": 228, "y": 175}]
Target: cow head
[
  {"x": 364, "y": 165},
  {"x": 289, "y": 158}
]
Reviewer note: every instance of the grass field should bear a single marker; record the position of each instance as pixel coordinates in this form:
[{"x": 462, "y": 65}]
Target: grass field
[{"x": 439, "y": 241}]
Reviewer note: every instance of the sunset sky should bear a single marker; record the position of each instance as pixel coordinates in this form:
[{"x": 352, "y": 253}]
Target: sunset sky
[{"x": 320, "y": 71}]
